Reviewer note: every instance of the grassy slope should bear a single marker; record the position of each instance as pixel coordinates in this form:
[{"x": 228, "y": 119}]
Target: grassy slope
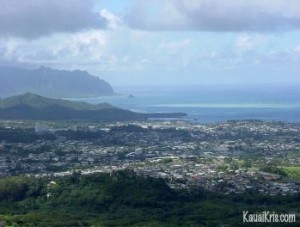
[{"x": 293, "y": 172}]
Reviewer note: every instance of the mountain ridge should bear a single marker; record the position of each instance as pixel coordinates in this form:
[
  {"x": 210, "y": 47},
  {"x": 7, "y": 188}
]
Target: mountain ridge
[
  {"x": 39, "y": 101},
  {"x": 51, "y": 83},
  {"x": 35, "y": 107}
]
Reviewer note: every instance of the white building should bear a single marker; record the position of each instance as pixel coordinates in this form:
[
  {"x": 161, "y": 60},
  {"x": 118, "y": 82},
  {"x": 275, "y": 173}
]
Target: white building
[{"x": 40, "y": 127}]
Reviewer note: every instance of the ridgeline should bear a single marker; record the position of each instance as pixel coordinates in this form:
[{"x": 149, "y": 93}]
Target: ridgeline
[
  {"x": 34, "y": 107},
  {"x": 51, "y": 83}
]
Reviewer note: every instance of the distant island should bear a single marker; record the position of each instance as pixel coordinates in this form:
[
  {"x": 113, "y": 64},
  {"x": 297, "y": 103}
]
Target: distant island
[
  {"x": 30, "y": 106},
  {"x": 51, "y": 83}
]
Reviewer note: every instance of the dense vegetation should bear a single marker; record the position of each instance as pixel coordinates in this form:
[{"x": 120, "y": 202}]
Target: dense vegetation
[
  {"x": 125, "y": 199},
  {"x": 274, "y": 170},
  {"x": 23, "y": 135}
]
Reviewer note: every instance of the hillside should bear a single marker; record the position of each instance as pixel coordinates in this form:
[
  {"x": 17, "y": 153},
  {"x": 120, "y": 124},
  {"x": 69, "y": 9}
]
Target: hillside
[
  {"x": 125, "y": 199},
  {"x": 37, "y": 101},
  {"x": 34, "y": 107},
  {"x": 51, "y": 83}
]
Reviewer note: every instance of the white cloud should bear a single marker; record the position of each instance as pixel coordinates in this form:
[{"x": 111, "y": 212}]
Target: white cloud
[
  {"x": 297, "y": 49},
  {"x": 245, "y": 43},
  {"x": 174, "y": 46},
  {"x": 216, "y": 15},
  {"x": 57, "y": 50},
  {"x": 113, "y": 21}
]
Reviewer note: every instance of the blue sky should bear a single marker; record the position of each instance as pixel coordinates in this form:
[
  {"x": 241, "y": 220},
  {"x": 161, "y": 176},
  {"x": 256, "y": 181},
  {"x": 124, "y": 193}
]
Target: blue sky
[{"x": 156, "y": 42}]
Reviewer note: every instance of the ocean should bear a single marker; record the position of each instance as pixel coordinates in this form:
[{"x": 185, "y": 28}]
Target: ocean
[{"x": 211, "y": 103}]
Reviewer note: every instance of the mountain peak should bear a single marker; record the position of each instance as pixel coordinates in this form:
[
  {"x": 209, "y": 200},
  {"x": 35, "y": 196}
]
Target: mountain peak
[{"x": 50, "y": 82}]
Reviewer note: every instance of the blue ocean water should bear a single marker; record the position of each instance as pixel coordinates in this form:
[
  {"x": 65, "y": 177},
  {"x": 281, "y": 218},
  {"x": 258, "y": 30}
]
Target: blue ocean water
[{"x": 210, "y": 103}]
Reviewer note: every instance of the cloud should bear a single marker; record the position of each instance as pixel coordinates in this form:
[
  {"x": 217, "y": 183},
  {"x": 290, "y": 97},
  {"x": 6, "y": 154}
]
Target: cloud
[
  {"x": 113, "y": 21},
  {"x": 57, "y": 50},
  {"x": 246, "y": 43},
  {"x": 216, "y": 15},
  {"x": 35, "y": 18},
  {"x": 174, "y": 46}
]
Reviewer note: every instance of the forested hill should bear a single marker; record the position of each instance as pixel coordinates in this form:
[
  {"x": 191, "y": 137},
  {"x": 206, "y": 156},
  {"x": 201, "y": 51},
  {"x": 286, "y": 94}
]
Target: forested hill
[
  {"x": 34, "y": 107},
  {"x": 125, "y": 199},
  {"x": 51, "y": 83}
]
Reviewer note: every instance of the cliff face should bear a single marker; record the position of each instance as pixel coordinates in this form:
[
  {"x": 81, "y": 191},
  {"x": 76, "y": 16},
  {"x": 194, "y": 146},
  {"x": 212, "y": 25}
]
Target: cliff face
[{"x": 51, "y": 83}]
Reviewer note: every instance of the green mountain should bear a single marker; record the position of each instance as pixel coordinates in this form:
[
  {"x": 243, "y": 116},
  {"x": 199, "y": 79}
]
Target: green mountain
[
  {"x": 37, "y": 101},
  {"x": 34, "y": 107},
  {"x": 51, "y": 83}
]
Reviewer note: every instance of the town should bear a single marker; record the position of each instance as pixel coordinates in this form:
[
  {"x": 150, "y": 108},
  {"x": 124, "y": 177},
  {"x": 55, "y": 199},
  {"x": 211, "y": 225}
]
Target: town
[{"x": 227, "y": 157}]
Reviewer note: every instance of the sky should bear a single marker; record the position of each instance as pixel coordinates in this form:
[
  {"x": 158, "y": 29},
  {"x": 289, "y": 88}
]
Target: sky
[{"x": 156, "y": 42}]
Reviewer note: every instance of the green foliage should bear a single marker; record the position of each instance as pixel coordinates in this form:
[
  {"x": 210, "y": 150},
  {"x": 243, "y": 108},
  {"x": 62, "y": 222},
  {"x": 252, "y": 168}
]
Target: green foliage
[
  {"x": 124, "y": 199},
  {"x": 275, "y": 170},
  {"x": 12, "y": 189},
  {"x": 293, "y": 172},
  {"x": 247, "y": 163}
]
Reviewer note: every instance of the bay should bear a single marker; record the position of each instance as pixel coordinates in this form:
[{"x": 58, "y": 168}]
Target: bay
[{"x": 211, "y": 103}]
